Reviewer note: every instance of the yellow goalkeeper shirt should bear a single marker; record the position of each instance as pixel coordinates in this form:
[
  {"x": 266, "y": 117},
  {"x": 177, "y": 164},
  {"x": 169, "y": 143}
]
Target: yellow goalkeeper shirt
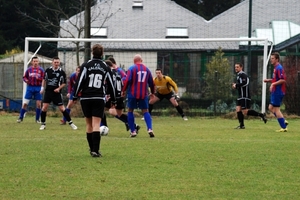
[{"x": 165, "y": 85}]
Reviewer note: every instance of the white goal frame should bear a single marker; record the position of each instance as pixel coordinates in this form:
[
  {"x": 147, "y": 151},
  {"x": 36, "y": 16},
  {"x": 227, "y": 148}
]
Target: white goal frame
[{"x": 265, "y": 42}]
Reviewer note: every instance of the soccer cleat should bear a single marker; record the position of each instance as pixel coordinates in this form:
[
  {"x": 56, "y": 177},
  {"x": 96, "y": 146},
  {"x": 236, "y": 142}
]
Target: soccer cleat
[
  {"x": 73, "y": 126},
  {"x": 184, "y": 118},
  {"x": 282, "y": 130},
  {"x": 264, "y": 118},
  {"x": 127, "y": 126},
  {"x": 286, "y": 122},
  {"x": 137, "y": 128},
  {"x": 95, "y": 154},
  {"x": 43, "y": 127},
  {"x": 19, "y": 120},
  {"x": 38, "y": 121},
  {"x": 151, "y": 134},
  {"x": 63, "y": 122},
  {"x": 133, "y": 134},
  {"x": 240, "y": 127}
]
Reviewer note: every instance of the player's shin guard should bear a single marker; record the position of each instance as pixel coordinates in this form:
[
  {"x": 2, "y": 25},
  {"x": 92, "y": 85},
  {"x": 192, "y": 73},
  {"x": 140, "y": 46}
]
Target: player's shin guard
[
  {"x": 68, "y": 111},
  {"x": 43, "y": 117},
  {"x": 148, "y": 120},
  {"x": 240, "y": 118},
  {"x": 67, "y": 116},
  {"x": 37, "y": 114},
  {"x": 89, "y": 138},
  {"x": 179, "y": 110},
  {"x": 123, "y": 118},
  {"x": 253, "y": 113},
  {"x": 22, "y": 112},
  {"x": 103, "y": 120},
  {"x": 131, "y": 121},
  {"x": 150, "y": 108},
  {"x": 281, "y": 122},
  {"x": 96, "y": 137}
]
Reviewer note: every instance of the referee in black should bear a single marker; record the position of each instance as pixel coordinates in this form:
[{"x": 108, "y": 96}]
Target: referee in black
[
  {"x": 243, "y": 101},
  {"x": 93, "y": 78}
]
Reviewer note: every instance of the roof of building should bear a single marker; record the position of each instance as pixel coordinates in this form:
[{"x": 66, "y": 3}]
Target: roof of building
[
  {"x": 19, "y": 58},
  {"x": 125, "y": 21}
]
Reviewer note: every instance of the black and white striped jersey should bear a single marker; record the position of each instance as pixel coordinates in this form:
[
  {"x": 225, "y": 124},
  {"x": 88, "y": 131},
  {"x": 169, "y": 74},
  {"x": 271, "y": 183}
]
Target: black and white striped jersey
[
  {"x": 93, "y": 78},
  {"x": 118, "y": 83},
  {"x": 242, "y": 85},
  {"x": 54, "y": 78}
]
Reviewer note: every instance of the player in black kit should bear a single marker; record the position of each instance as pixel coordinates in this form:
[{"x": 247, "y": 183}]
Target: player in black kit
[
  {"x": 243, "y": 102},
  {"x": 93, "y": 78},
  {"x": 54, "y": 80}
]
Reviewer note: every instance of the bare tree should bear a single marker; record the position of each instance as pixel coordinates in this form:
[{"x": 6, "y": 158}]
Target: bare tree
[{"x": 54, "y": 17}]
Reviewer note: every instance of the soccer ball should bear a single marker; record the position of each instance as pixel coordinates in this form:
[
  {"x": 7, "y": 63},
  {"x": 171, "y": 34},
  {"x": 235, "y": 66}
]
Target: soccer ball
[{"x": 104, "y": 130}]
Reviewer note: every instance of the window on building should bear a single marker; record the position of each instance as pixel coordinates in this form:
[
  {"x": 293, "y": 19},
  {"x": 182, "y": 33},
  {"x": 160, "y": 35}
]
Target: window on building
[
  {"x": 137, "y": 4},
  {"x": 177, "y": 32},
  {"x": 99, "y": 32}
]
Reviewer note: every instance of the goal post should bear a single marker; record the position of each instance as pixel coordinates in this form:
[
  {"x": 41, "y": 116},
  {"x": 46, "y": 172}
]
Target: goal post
[{"x": 119, "y": 46}]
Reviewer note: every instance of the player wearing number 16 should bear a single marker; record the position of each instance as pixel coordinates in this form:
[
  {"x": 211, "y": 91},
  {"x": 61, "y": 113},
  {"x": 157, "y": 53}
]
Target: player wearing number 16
[{"x": 93, "y": 78}]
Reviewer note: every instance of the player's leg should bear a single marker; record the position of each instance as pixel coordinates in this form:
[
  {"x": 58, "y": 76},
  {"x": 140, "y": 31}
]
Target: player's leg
[
  {"x": 174, "y": 102},
  {"x": 274, "y": 107},
  {"x": 131, "y": 104},
  {"x": 97, "y": 113},
  {"x": 44, "y": 114},
  {"x": 28, "y": 95},
  {"x": 240, "y": 115},
  {"x": 89, "y": 132},
  {"x": 38, "y": 97},
  {"x": 103, "y": 120},
  {"x": 255, "y": 113},
  {"x": 87, "y": 112},
  {"x": 58, "y": 101},
  {"x": 155, "y": 98},
  {"x": 143, "y": 105},
  {"x": 68, "y": 109},
  {"x": 23, "y": 110}
]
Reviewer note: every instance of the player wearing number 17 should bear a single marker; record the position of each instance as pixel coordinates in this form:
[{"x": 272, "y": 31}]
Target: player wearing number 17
[{"x": 136, "y": 84}]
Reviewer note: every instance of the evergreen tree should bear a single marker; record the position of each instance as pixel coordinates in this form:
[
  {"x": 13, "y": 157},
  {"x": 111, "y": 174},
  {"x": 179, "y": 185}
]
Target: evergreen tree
[{"x": 219, "y": 77}]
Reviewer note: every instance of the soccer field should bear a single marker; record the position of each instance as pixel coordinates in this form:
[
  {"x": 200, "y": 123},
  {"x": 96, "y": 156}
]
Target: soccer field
[{"x": 195, "y": 159}]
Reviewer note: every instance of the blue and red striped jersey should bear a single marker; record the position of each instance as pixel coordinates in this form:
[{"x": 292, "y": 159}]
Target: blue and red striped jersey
[
  {"x": 34, "y": 76},
  {"x": 137, "y": 81},
  {"x": 278, "y": 74},
  {"x": 72, "y": 82},
  {"x": 121, "y": 73}
]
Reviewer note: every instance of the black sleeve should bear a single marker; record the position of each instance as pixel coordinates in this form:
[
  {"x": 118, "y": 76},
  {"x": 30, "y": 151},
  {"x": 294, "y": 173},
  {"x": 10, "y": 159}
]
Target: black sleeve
[{"x": 110, "y": 84}]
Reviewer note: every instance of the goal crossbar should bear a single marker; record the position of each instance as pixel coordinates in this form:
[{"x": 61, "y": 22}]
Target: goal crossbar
[{"x": 265, "y": 42}]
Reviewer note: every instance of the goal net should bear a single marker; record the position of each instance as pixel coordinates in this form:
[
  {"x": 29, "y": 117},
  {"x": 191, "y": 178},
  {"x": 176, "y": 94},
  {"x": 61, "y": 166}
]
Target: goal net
[{"x": 202, "y": 68}]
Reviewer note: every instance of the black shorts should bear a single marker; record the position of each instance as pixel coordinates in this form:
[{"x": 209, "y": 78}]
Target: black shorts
[
  {"x": 92, "y": 107},
  {"x": 51, "y": 96},
  {"x": 165, "y": 96},
  {"x": 244, "y": 103},
  {"x": 119, "y": 104}
]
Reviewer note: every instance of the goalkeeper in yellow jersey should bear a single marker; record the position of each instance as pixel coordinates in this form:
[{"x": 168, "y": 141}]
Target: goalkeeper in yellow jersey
[{"x": 165, "y": 88}]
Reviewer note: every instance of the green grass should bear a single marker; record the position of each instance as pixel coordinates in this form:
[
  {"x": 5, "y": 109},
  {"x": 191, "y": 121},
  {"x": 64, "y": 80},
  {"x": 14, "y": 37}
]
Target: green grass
[{"x": 195, "y": 159}]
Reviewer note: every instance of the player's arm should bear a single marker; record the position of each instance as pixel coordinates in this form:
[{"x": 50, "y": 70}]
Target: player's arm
[
  {"x": 43, "y": 86},
  {"x": 173, "y": 84},
  {"x": 267, "y": 80},
  {"x": 126, "y": 81},
  {"x": 26, "y": 76},
  {"x": 242, "y": 81}
]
